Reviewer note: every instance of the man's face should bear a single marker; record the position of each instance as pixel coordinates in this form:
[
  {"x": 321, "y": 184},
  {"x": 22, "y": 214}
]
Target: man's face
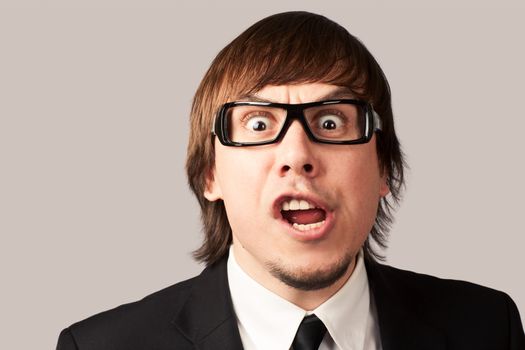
[{"x": 343, "y": 182}]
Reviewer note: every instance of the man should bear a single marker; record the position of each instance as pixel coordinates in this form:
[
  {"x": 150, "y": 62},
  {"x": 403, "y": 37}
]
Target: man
[{"x": 293, "y": 157}]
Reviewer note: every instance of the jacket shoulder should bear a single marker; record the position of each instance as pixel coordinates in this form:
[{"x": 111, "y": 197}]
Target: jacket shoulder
[
  {"x": 133, "y": 325},
  {"x": 462, "y": 310},
  {"x": 431, "y": 285}
]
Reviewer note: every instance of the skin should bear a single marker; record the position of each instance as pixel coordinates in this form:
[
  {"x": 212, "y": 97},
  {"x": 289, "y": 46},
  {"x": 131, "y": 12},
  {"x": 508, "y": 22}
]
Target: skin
[{"x": 346, "y": 179}]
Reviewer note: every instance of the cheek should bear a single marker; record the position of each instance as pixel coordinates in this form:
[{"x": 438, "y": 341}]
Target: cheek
[
  {"x": 358, "y": 170},
  {"x": 359, "y": 184},
  {"x": 241, "y": 176},
  {"x": 239, "y": 168}
]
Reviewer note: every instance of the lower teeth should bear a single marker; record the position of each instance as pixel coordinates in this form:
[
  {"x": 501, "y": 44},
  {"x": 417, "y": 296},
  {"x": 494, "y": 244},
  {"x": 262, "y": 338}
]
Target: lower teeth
[{"x": 306, "y": 227}]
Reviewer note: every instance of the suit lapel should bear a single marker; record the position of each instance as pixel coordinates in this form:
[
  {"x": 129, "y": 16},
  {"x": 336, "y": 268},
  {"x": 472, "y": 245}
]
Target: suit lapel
[
  {"x": 207, "y": 317},
  {"x": 400, "y": 326}
]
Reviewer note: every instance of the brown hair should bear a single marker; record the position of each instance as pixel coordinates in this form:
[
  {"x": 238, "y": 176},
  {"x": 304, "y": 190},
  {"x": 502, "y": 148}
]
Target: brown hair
[{"x": 288, "y": 48}]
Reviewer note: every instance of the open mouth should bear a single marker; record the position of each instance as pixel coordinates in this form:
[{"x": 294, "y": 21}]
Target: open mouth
[{"x": 302, "y": 214}]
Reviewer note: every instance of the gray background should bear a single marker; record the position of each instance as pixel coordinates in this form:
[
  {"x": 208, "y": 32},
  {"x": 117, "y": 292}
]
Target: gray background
[{"x": 94, "y": 101}]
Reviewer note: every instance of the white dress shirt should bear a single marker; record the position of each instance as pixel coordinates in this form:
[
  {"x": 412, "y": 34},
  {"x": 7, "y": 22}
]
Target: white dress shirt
[{"x": 267, "y": 321}]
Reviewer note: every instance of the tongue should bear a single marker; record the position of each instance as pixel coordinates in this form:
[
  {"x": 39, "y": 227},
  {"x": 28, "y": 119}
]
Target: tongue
[{"x": 304, "y": 216}]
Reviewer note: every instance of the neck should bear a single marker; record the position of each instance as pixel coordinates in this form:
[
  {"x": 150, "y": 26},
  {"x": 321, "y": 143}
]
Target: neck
[{"x": 306, "y": 299}]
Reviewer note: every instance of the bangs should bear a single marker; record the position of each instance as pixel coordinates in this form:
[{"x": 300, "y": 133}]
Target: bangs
[{"x": 281, "y": 52}]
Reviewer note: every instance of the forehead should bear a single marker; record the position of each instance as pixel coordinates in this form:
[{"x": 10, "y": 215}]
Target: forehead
[{"x": 298, "y": 93}]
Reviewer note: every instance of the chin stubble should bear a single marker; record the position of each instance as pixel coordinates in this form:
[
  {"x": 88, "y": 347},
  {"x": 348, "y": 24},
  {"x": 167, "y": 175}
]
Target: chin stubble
[{"x": 311, "y": 280}]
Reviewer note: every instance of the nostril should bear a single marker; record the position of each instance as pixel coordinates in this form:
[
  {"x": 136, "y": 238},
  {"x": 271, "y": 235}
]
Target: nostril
[{"x": 307, "y": 168}]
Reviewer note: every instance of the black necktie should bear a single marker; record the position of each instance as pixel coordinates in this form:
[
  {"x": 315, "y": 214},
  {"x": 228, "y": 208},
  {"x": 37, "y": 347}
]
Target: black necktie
[{"x": 310, "y": 334}]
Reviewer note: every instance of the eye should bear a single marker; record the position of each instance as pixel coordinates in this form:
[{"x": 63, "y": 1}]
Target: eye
[
  {"x": 330, "y": 122},
  {"x": 258, "y": 123}
]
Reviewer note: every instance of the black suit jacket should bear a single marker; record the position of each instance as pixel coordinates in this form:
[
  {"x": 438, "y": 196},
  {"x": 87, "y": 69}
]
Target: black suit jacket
[{"x": 415, "y": 312}]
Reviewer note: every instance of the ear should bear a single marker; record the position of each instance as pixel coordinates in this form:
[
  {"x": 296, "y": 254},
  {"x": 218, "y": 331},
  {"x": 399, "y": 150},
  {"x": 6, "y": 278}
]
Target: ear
[
  {"x": 212, "y": 190},
  {"x": 383, "y": 185}
]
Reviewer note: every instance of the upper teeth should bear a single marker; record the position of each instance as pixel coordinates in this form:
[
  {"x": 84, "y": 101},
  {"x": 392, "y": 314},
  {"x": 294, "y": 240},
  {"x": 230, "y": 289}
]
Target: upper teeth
[{"x": 295, "y": 204}]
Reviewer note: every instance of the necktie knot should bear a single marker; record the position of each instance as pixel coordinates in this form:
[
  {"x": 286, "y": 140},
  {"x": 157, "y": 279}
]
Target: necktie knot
[{"x": 310, "y": 334}]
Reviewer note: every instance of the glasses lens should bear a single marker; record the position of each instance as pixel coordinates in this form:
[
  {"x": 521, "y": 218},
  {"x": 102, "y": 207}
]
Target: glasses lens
[
  {"x": 253, "y": 124},
  {"x": 337, "y": 122}
]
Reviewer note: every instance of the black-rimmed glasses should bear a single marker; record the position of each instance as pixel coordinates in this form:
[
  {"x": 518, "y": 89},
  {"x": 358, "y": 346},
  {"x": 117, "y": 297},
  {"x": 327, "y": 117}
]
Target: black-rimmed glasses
[{"x": 345, "y": 121}]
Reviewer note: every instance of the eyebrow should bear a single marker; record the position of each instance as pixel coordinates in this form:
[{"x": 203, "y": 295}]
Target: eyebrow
[{"x": 340, "y": 93}]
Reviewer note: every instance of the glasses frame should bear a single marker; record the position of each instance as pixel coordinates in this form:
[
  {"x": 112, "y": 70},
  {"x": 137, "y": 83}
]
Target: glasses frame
[{"x": 295, "y": 112}]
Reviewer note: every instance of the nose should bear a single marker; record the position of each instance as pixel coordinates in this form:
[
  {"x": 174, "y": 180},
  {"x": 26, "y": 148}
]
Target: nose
[{"x": 296, "y": 154}]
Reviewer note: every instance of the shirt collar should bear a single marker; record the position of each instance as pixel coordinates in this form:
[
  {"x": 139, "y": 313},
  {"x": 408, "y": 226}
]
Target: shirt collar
[
  {"x": 270, "y": 322},
  {"x": 346, "y": 313}
]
